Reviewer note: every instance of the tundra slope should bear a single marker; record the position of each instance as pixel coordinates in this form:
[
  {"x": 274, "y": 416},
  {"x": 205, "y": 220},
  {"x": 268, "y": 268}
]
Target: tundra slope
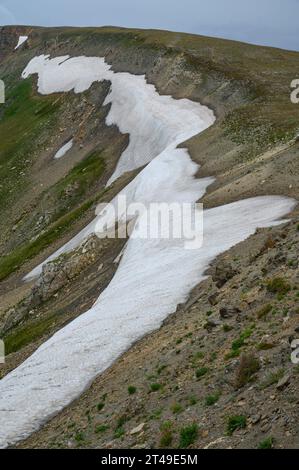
[{"x": 142, "y": 275}]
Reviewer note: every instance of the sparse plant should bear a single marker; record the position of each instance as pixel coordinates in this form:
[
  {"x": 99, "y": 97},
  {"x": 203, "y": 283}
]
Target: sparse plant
[
  {"x": 249, "y": 365},
  {"x": 227, "y": 328},
  {"x": 101, "y": 428},
  {"x": 238, "y": 343},
  {"x": 119, "y": 429},
  {"x": 192, "y": 400},
  {"x": 201, "y": 372},
  {"x": 236, "y": 422},
  {"x": 176, "y": 408},
  {"x": 188, "y": 435},
  {"x": 155, "y": 387},
  {"x": 100, "y": 406},
  {"x": 210, "y": 400},
  {"x": 267, "y": 443},
  {"x": 166, "y": 439},
  {"x": 132, "y": 390},
  {"x": 278, "y": 285},
  {"x": 79, "y": 437},
  {"x": 263, "y": 312},
  {"x": 273, "y": 378}
]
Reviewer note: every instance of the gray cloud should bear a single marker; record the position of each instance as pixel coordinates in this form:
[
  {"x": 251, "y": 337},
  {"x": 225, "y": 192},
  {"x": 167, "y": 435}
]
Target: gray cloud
[{"x": 269, "y": 22}]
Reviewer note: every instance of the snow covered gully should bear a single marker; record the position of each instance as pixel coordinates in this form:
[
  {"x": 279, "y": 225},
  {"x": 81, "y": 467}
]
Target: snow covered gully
[{"x": 153, "y": 276}]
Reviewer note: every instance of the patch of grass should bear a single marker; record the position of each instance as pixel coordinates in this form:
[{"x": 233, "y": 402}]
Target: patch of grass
[
  {"x": 235, "y": 422},
  {"x": 28, "y": 333},
  {"x": 119, "y": 428},
  {"x": 154, "y": 387},
  {"x": 71, "y": 189},
  {"x": 249, "y": 365},
  {"x": 278, "y": 285},
  {"x": 188, "y": 435},
  {"x": 201, "y": 372},
  {"x": 166, "y": 439},
  {"x": 227, "y": 328},
  {"x": 100, "y": 406},
  {"x": 232, "y": 354},
  {"x": 263, "y": 312},
  {"x": 131, "y": 390},
  {"x": 239, "y": 343},
  {"x": 79, "y": 437},
  {"x": 192, "y": 400},
  {"x": 176, "y": 408},
  {"x": 267, "y": 443},
  {"x": 166, "y": 425},
  {"x": 273, "y": 378},
  {"x": 13, "y": 261},
  {"x": 118, "y": 433},
  {"x": 210, "y": 400},
  {"x": 23, "y": 119},
  {"x": 101, "y": 428}
]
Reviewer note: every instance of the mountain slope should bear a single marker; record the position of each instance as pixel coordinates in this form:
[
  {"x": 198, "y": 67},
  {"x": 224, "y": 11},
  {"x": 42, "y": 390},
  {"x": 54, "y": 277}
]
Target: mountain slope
[{"x": 251, "y": 149}]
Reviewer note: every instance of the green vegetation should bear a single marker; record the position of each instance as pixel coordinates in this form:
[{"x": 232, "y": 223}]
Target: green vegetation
[
  {"x": 30, "y": 332},
  {"x": 192, "y": 400},
  {"x": 227, "y": 328},
  {"x": 279, "y": 286},
  {"x": 201, "y": 372},
  {"x": 25, "y": 117},
  {"x": 131, "y": 390},
  {"x": 13, "y": 261},
  {"x": 273, "y": 378},
  {"x": 263, "y": 312},
  {"x": 176, "y": 408},
  {"x": 210, "y": 400},
  {"x": 267, "y": 443},
  {"x": 238, "y": 343},
  {"x": 236, "y": 422},
  {"x": 188, "y": 435},
  {"x": 166, "y": 439},
  {"x": 79, "y": 437},
  {"x": 101, "y": 428},
  {"x": 155, "y": 387},
  {"x": 119, "y": 429},
  {"x": 100, "y": 406},
  {"x": 69, "y": 191}
]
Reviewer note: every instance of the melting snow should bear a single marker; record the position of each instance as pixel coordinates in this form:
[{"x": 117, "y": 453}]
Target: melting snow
[
  {"x": 153, "y": 276},
  {"x": 154, "y": 122},
  {"x": 21, "y": 41},
  {"x": 66, "y": 147}
]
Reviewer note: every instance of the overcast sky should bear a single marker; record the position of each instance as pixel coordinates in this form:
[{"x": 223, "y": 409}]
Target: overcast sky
[{"x": 269, "y": 22}]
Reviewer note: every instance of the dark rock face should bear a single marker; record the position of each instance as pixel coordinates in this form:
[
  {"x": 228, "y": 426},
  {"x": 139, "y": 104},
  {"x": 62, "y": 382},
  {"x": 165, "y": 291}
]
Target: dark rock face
[{"x": 228, "y": 312}]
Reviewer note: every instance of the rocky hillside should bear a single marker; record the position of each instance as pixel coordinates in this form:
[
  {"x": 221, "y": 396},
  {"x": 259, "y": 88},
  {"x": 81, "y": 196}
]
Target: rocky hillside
[{"x": 218, "y": 373}]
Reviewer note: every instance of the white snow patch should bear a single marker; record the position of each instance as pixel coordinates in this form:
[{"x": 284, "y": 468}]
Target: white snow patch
[
  {"x": 64, "y": 149},
  {"x": 21, "y": 41},
  {"x": 153, "y": 276},
  {"x": 154, "y": 122}
]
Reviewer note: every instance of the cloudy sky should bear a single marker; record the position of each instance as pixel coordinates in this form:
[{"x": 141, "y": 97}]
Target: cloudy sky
[{"x": 269, "y": 22}]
